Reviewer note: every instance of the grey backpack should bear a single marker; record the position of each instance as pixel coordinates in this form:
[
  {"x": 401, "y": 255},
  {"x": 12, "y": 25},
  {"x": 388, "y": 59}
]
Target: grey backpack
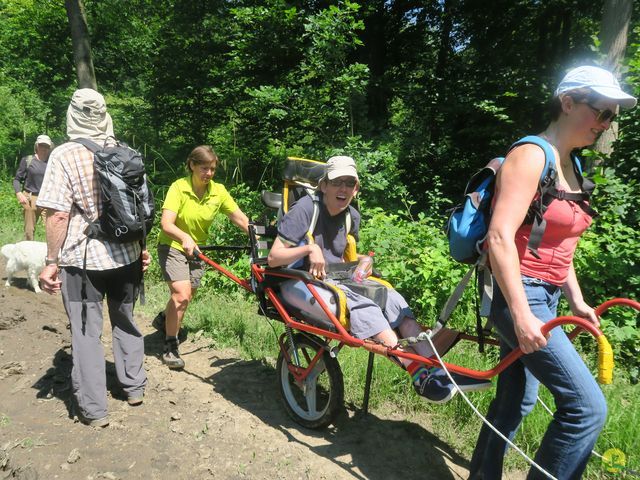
[{"x": 128, "y": 209}]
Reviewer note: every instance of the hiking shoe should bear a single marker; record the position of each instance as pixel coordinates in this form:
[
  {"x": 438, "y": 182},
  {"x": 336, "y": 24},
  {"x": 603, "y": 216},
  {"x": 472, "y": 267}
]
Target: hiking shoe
[
  {"x": 468, "y": 384},
  {"x": 159, "y": 324},
  {"x": 135, "y": 400},
  {"x": 159, "y": 321},
  {"x": 434, "y": 388},
  {"x": 171, "y": 356},
  {"x": 95, "y": 422}
]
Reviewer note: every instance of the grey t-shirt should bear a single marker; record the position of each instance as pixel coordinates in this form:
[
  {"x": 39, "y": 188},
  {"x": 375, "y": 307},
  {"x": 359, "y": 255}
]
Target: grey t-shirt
[
  {"x": 29, "y": 177},
  {"x": 329, "y": 234}
]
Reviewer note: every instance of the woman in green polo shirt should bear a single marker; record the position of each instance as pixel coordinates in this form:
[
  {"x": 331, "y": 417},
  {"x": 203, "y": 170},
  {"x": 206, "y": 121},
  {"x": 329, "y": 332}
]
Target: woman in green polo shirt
[{"x": 190, "y": 206}]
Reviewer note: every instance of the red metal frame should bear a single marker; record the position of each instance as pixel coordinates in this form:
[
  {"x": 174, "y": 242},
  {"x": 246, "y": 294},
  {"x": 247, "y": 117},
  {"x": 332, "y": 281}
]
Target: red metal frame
[
  {"x": 345, "y": 338},
  {"x": 243, "y": 283},
  {"x": 299, "y": 373}
]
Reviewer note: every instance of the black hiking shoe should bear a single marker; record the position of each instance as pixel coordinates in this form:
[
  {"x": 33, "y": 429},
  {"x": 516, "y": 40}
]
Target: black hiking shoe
[
  {"x": 159, "y": 324},
  {"x": 171, "y": 356}
]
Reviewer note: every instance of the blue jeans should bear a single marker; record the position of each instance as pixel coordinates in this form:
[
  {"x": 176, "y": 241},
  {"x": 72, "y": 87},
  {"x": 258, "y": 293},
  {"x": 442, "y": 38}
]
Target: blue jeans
[{"x": 580, "y": 405}]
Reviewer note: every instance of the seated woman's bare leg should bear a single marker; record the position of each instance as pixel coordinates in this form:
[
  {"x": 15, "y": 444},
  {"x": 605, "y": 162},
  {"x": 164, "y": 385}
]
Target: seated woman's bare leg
[
  {"x": 410, "y": 328},
  {"x": 390, "y": 339}
]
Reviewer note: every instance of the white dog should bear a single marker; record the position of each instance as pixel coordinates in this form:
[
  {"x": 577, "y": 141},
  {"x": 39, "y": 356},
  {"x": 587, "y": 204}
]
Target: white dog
[{"x": 28, "y": 256}]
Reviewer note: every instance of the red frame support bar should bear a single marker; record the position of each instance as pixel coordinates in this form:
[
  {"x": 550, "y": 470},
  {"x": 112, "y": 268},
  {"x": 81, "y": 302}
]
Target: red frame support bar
[
  {"x": 599, "y": 310},
  {"x": 243, "y": 283},
  {"x": 299, "y": 373},
  {"x": 345, "y": 338}
]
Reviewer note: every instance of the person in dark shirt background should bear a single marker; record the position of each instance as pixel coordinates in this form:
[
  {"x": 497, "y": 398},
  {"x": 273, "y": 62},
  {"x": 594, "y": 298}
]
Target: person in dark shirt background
[{"x": 28, "y": 180}]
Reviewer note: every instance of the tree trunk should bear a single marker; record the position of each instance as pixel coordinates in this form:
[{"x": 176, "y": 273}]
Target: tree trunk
[
  {"x": 81, "y": 44},
  {"x": 376, "y": 42},
  {"x": 616, "y": 17},
  {"x": 444, "y": 52}
]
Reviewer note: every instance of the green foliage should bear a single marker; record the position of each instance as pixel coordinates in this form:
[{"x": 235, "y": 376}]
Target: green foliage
[
  {"x": 380, "y": 176},
  {"x": 11, "y": 213},
  {"x": 35, "y": 51},
  {"x": 413, "y": 255}
]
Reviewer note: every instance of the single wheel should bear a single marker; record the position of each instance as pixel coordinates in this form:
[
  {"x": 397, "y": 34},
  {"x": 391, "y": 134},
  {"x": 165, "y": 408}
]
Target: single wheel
[{"x": 315, "y": 401}]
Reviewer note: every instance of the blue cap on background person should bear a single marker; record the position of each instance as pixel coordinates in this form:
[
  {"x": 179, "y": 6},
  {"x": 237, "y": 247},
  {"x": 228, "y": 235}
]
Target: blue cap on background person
[
  {"x": 340, "y": 166},
  {"x": 599, "y": 80}
]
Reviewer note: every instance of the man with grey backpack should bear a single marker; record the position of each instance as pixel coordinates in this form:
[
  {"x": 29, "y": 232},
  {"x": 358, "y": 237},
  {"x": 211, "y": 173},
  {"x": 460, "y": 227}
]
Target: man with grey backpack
[{"x": 86, "y": 263}]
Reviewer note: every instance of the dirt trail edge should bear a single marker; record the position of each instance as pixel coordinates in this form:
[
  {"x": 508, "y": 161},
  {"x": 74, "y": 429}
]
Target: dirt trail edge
[{"x": 219, "y": 418}]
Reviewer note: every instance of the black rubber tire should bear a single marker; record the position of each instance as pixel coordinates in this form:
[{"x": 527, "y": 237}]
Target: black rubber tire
[{"x": 327, "y": 387}]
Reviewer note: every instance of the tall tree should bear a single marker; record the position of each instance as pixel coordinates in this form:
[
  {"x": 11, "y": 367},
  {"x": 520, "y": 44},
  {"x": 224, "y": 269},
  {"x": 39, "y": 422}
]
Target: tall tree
[
  {"x": 616, "y": 17},
  {"x": 81, "y": 44}
]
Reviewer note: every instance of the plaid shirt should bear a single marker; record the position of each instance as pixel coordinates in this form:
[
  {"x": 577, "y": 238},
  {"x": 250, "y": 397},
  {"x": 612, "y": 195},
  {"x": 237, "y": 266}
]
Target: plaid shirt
[{"x": 70, "y": 185}]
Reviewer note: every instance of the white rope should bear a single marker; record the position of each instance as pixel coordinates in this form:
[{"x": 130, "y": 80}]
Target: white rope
[{"x": 425, "y": 335}]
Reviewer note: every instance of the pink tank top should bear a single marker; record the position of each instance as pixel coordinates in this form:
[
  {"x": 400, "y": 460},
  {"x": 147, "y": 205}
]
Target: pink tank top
[{"x": 566, "y": 221}]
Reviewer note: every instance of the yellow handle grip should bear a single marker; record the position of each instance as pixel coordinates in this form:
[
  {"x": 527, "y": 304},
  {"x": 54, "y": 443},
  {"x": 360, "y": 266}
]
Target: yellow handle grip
[{"x": 605, "y": 361}]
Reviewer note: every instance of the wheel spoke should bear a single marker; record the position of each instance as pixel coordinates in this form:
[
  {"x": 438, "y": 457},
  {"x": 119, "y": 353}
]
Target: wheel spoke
[
  {"x": 314, "y": 401},
  {"x": 310, "y": 396}
]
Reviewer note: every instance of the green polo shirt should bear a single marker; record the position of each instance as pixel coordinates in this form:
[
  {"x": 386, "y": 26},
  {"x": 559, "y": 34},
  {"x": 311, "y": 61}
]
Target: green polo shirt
[{"x": 194, "y": 215}]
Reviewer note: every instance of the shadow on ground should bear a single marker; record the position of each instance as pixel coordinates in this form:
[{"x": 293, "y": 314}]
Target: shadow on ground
[
  {"x": 365, "y": 446},
  {"x": 56, "y": 381}
]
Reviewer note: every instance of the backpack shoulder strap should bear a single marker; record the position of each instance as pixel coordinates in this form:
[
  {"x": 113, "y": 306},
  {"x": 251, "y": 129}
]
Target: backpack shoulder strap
[
  {"x": 549, "y": 172},
  {"x": 547, "y": 183},
  {"x": 316, "y": 213},
  {"x": 90, "y": 144},
  {"x": 586, "y": 185},
  {"x": 314, "y": 216}
]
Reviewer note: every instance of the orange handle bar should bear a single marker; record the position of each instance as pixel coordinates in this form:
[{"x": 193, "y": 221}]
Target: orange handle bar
[
  {"x": 605, "y": 353},
  {"x": 599, "y": 310}
]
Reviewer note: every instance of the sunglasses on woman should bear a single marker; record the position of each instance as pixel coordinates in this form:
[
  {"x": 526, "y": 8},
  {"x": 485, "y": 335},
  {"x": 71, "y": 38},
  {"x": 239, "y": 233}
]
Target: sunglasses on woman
[
  {"x": 348, "y": 182},
  {"x": 605, "y": 115}
]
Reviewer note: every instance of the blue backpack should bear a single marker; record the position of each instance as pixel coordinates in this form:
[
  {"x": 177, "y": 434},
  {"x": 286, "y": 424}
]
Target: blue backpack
[{"x": 469, "y": 221}]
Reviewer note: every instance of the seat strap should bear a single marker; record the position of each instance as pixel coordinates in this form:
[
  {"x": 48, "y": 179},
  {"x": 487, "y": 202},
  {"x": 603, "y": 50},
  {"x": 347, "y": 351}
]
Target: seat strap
[
  {"x": 380, "y": 281},
  {"x": 342, "y": 304}
]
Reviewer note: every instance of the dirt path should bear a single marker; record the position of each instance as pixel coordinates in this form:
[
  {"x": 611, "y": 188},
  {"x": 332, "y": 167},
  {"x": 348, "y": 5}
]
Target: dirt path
[{"x": 219, "y": 418}]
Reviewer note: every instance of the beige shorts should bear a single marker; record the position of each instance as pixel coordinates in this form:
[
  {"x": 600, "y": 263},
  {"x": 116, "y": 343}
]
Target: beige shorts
[{"x": 177, "y": 267}]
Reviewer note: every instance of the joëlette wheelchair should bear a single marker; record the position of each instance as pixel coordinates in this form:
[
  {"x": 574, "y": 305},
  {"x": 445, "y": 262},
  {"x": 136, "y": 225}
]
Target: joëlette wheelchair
[{"x": 317, "y": 323}]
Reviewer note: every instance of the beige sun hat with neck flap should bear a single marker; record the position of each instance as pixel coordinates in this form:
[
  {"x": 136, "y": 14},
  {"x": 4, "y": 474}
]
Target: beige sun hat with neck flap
[{"x": 87, "y": 116}]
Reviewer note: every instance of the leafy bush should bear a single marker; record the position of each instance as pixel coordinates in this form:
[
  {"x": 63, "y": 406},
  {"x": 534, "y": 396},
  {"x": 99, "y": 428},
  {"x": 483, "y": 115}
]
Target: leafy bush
[{"x": 413, "y": 254}]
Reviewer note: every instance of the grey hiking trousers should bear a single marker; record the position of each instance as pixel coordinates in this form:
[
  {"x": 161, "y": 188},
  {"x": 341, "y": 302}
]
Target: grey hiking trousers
[{"x": 88, "y": 376}]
